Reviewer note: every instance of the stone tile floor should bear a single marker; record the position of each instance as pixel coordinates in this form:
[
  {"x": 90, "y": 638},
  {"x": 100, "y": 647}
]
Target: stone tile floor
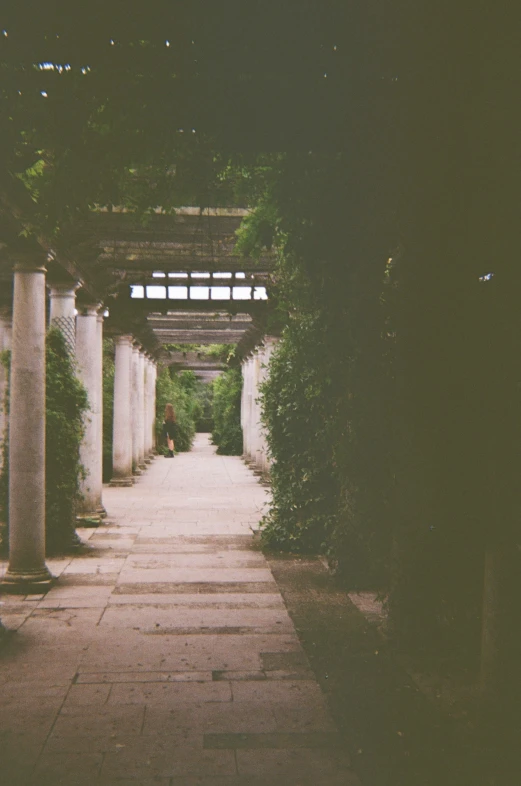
[{"x": 166, "y": 655}]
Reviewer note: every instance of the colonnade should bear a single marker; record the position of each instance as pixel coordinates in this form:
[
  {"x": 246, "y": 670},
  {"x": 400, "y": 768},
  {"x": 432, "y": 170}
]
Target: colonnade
[
  {"x": 254, "y": 370},
  {"x": 134, "y": 411},
  {"x": 135, "y": 375}
]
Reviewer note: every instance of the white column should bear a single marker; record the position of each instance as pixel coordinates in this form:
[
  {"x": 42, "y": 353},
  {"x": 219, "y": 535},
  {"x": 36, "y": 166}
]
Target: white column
[
  {"x": 99, "y": 420},
  {"x": 134, "y": 404},
  {"x": 5, "y": 344},
  {"x": 27, "y": 570},
  {"x": 153, "y": 408},
  {"x": 62, "y": 312},
  {"x": 148, "y": 410},
  {"x": 88, "y": 358},
  {"x": 122, "y": 435},
  {"x": 256, "y": 411},
  {"x": 141, "y": 410}
]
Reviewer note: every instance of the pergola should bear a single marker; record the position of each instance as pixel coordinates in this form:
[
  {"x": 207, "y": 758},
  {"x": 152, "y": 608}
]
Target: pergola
[{"x": 172, "y": 280}]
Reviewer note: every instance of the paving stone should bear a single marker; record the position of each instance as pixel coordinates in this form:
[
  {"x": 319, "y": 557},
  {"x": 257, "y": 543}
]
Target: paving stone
[
  {"x": 165, "y": 655},
  {"x": 204, "y": 718},
  {"x": 197, "y": 618},
  {"x": 94, "y": 695},
  {"x": 277, "y": 740},
  {"x": 194, "y": 575},
  {"x": 144, "y": 676},
  {"x": 206, "y": 587},
  {"x": 214, "y": 600},
  {"x": 162, "y": 757},
  {"x": 169, "y": 693},
  {"x": 297, "y": 693},
  {"x": 111, "y": 721},
  {"x": 312, "y": 764},
  {"x": 65, "y": 769}
]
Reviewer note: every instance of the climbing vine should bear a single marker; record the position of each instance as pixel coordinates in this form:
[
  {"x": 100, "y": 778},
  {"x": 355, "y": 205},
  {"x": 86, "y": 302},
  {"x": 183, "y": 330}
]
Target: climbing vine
[
  {"x": 227, "y": 431},
  {"x": 66, "y": 402},
  {"x": 108, "y": 407}
]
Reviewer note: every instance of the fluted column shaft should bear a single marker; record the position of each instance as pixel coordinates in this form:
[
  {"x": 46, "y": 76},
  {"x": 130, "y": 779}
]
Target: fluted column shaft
[
  {"x": 122, "y": 434},
  {"x": 27, "y": 566}
]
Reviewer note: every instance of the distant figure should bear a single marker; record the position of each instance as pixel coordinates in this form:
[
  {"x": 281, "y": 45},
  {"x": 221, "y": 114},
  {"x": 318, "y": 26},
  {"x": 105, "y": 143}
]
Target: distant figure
[{"x": 169, "y": 430}]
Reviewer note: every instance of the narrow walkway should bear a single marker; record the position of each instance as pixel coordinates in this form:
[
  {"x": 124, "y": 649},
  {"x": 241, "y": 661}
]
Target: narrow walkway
[{"x": 166, "y": 655}]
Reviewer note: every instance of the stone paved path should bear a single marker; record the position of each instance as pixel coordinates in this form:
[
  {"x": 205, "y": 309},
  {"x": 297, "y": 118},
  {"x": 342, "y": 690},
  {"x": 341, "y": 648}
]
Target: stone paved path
[{"x": 166, "y": 656}]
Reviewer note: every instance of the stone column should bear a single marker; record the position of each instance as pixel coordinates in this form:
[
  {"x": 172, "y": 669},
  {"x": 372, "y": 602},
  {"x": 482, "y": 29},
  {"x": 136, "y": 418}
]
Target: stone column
[
  {"x": 27, "y": 571},
  {"x": 89, "y": 360},
  {"x": 122, "y": 435},
  {"x": 141, "y": 409},
  {"x": 134, "y": 404},
  {"x": 153, "y": 408},
  {"x": 99, "y": 420},
  {"x": 148, "y": 410},
  {"x": 5, "y": 344},
  {"x": 62, "y": 314}
]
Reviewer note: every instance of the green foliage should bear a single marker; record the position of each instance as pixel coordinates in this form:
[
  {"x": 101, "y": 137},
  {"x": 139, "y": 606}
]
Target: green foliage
[
  {"x": 227, "y": 431},
  {"x": 66, "y": 403},
  {"x": 178, "y": 390},
  {"x": 305, "y": 488},
  {"x": 203, "y": 409},
  {"x": 217, "y": 351},
  {"x": 108, "y": 407}
]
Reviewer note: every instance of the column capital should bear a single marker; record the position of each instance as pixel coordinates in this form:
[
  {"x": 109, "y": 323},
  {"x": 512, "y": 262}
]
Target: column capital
[
  {"x": 88, "y": 309},
  {"x": 63, "y": 288},
  {"x": 29, "y": 264},
  {"x": 123, "y": 338}
]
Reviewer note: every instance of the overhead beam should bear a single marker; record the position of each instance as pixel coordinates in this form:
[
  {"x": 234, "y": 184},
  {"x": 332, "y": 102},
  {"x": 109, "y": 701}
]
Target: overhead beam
[
  {"x": 220, "y": 327},
  {"x": 199, "y": 337}
]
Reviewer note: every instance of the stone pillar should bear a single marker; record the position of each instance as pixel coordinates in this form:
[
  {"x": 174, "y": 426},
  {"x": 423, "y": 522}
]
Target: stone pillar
[
  {"x": 62, "y": 314},
  {"x": 122, "y": 435},
  {"x": 5, "y": 344},
  {"x": 134, "y": 404},
  {"x": 141, "y": 409},
  {"x": 148, "y": 410},
  {"x": 99, "y": 420},
  {"x": 27, "y": 571},
  {"x": 153, "y": 408},
  {"x": 89, "y": 364}
]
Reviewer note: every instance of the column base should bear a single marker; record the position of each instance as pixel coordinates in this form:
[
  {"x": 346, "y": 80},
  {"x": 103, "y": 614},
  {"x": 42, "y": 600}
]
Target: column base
[
  {"x": 122, "y": 482},
  {"x": 137, "y": 472},
  {"x": 27, "y": 582},
  {"x": 102, "y": 513},
  {"x": 148, "y": 460},
  {"x": 142, "y": 466}
]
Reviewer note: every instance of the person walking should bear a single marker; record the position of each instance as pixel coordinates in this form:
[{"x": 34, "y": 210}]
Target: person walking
[{"x": 169, "y": 430}]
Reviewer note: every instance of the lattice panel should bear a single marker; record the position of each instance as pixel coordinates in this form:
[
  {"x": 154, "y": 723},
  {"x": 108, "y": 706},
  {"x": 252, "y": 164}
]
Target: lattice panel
[{"x": 67, "y": 325}]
